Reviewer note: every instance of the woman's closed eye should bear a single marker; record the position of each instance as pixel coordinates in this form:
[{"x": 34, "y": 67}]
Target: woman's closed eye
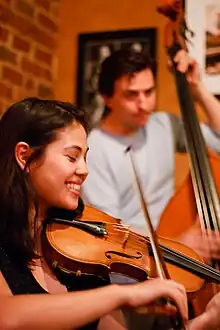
[{"x": 71, "y": 158}]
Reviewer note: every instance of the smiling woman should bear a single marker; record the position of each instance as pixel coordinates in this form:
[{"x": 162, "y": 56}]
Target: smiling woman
[
  {"x": 43, "y": 147},
  {"x": 37, "y": 157},
  {"x": 62, "y": 168}
]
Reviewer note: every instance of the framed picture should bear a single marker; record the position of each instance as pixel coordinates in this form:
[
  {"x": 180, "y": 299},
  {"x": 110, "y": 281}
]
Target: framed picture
[
  {"x": 93, "y": 48},
  {"x": 203, "y": 17}
]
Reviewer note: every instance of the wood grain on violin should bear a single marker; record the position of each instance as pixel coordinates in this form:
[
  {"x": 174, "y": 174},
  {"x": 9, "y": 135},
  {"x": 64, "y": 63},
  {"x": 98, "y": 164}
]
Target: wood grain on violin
[{"x": 109, "y": 246}]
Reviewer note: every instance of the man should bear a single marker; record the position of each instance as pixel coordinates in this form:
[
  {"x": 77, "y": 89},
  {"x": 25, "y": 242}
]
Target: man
[{"x": 127, "y": 85}]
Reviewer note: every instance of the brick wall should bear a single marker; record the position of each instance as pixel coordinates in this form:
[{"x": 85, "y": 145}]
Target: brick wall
[{"x": 28, "y": 40}]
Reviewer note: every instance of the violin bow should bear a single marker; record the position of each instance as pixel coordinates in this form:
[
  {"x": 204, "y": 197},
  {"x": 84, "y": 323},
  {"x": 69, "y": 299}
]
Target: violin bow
[{"x": 157, "y": 254}]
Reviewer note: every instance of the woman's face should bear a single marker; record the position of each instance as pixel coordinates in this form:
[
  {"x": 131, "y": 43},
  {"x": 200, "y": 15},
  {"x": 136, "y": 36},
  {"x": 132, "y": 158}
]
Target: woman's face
[{"x": 58, "y": 176}]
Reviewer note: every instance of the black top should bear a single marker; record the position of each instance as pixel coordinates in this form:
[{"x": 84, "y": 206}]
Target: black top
[{"x": 21, "y": 280}]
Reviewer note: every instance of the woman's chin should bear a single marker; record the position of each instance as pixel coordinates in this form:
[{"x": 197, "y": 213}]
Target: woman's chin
[{"x": 71, "y": 205}]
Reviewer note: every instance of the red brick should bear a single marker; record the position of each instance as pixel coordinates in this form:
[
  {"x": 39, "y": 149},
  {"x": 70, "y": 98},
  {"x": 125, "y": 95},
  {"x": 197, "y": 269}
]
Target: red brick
[
  {"x": 5, "y": 92},
  {"x": 12, "y": 75},
  {"x": 7, "y": 55},
  {"x": 54, "y": 10},
  {"x": 3, "y": 107},
  {"x": 45, "y": 4},
  {"x": 8, "y": 2},
  {"x": 47, "y": 23},
  {"x": 3, "y": 34},
  {"x": 24, "y": 7},
  {"x": 45, "y": 91},
  {"x": 21, "y": 44},
  {"x": 20, "y": 94},
  {"x": 26, "y": 28},
  {"x": 35, "y": 69},
  {"x": 29, "y": 84},
  {"x": 43, "y": 56}
]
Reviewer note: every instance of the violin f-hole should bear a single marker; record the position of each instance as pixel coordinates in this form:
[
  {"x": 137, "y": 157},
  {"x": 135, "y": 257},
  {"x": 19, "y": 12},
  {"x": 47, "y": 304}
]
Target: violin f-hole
[{"x": 109, "y": 255}]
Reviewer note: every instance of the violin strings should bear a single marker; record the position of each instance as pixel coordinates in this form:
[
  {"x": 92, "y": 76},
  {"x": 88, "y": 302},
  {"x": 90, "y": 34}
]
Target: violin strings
[{"x": 208, "y": 271}]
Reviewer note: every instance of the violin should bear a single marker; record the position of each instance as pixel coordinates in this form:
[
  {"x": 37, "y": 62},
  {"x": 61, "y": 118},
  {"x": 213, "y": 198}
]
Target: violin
[{"x": 96, "y": 244}]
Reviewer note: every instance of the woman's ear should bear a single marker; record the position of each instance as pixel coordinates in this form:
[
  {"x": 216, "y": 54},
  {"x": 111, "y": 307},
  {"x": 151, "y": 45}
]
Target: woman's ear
[
  {"x": 22, "y": 154},
  {"x": 107, "y": 101}
]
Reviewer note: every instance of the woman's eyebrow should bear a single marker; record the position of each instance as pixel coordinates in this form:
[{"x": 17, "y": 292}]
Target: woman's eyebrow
[{"x": 75, "y": 147}]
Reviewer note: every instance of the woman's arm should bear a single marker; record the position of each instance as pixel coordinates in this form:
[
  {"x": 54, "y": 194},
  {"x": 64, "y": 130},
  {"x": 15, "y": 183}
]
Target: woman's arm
[
  {"x": 57, "y": 311},
  {"x": 73, "y": 310}
]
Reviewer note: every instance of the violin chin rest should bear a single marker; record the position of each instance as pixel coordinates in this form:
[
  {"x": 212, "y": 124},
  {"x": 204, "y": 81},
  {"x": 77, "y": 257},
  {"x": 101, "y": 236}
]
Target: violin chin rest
[{"x": 67, "y": 214}]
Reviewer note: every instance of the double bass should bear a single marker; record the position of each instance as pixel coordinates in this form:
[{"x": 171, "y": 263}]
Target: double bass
[{"x": 200, "y": 192}]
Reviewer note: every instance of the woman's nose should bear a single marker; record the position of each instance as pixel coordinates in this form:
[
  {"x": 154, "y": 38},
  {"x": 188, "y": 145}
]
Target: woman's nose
[{"x": 82, "y": 169}]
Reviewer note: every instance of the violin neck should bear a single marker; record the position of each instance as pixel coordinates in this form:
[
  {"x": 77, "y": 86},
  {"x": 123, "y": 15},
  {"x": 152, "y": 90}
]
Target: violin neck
[{"x": 202, "y": 178}]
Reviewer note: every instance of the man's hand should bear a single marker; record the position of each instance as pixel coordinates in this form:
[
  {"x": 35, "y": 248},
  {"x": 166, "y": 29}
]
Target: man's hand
[
  {"x": 188, "y": 65},
  {"x": 210, "y": 319},
  {"x": 207, "y": 245}
]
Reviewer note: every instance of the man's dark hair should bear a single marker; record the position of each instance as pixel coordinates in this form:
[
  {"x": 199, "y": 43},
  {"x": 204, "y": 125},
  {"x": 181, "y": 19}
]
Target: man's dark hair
[{"x": 126, "y": 61}]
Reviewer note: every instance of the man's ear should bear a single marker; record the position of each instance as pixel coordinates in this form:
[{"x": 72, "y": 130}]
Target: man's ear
[{"x": 22, "y": 154}]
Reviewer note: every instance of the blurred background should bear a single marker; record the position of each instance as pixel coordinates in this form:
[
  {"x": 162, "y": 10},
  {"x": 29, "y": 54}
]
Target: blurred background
[{"x": 40, "y": 55}]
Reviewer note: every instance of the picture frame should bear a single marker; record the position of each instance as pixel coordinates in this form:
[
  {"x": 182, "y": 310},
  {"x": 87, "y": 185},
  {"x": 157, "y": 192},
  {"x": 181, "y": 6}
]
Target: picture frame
[
  {"x": 203, "y": 18},
  {"x": 93, "y": 48}
]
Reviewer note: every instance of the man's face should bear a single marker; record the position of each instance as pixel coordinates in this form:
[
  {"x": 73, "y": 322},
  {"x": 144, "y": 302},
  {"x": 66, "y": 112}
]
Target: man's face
[{"x": 133, "y": 100}]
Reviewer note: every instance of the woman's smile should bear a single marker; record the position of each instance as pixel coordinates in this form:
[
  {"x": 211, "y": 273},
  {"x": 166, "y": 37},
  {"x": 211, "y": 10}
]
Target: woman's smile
[{"x": 74, "y": 188}]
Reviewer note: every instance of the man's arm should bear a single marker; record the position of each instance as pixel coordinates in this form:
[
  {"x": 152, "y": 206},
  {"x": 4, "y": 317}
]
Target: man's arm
[
  {"x": 208, "y": 102},
  {"x": 211, "y": 137}
]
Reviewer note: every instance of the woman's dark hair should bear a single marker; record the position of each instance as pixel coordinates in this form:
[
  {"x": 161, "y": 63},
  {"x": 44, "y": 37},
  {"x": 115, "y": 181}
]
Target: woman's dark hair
[
  {"x": 125, "y": 61},
  {"x": 35, "y": 122}
]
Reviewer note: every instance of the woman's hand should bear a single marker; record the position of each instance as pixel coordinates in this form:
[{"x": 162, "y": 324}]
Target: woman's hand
[{"x": 148, "y": 292}]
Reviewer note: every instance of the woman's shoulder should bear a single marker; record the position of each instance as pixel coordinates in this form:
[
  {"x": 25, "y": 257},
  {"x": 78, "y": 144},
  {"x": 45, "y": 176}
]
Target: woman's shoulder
[
  {"x": 4, "y": 258},
  {"x": 18, "y": 277}
]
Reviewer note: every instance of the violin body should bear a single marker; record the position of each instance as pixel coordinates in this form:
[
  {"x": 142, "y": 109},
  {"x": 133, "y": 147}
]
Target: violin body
[{"x": 120, "y": 250}]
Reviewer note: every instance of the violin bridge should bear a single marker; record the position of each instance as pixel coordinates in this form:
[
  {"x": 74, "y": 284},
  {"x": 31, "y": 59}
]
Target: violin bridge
[{"x": 125, "y": 239}]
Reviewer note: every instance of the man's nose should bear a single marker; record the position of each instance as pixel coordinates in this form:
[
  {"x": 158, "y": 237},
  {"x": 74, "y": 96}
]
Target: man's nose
[{"x": 142, "y": 102}]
